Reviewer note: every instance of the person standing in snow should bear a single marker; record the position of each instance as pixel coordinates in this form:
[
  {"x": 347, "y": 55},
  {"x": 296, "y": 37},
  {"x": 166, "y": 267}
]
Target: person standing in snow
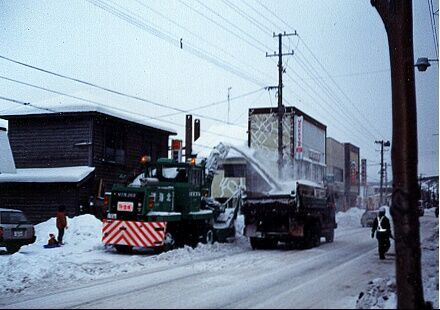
[
  {"x": 382, "y": 228},
  {"x": 61, "y": 223}
]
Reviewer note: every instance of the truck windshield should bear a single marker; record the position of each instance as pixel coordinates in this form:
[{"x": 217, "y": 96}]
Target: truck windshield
[{"x": 12, "y": 218}]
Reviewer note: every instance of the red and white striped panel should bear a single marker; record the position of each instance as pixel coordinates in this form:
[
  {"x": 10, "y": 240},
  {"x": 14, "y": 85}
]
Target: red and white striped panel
[{"x": 140, "y": 234}]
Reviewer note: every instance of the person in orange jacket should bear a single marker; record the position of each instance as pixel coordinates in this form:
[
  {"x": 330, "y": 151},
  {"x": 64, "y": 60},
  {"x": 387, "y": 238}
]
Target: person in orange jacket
[{"x": 61, "y": 223}]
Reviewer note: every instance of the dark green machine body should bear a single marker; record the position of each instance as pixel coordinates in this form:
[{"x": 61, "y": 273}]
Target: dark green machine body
[{"x": 175, "y": 194}]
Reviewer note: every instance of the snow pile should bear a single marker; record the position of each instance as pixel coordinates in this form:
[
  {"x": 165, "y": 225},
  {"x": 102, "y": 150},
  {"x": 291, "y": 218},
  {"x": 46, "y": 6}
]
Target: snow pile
[
  {"x": 350, "y": 218},
  {"x": 381, "y": 294},
  {"x": 430, "y": 255},
  {"x": 85, "y": 258}
]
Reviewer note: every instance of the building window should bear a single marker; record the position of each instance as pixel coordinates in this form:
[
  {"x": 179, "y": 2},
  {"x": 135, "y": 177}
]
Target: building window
[
  {"x": 235, "y": 171},
  {"x": 339, "y": 174},
  {"x": 115, "y": 144}
]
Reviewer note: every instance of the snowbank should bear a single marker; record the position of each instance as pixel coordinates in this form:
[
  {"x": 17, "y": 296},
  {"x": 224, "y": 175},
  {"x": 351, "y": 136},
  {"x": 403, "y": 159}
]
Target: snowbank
[
  {"x": 350, "y": 218},
  {"x": 84, "y": 257}
]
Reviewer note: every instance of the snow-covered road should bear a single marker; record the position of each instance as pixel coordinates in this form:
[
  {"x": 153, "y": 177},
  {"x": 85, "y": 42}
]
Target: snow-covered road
[
  {"x": 216, "y": 276},
  {"x": 330, "y": 276}
]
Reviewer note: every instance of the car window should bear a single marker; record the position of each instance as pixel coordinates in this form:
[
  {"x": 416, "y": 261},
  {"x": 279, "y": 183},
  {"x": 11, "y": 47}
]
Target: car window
[{"x": 12, "y": 218}]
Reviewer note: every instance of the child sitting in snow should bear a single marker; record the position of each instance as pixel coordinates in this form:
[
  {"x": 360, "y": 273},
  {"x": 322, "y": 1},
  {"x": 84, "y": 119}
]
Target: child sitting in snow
[{"x": 52, "y": 242}]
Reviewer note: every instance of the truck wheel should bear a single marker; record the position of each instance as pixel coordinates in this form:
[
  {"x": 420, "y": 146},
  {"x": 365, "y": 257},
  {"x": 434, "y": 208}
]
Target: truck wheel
[
  {"x": 317, "y": 234},
  {"x": 312, "y": 236},
  {"x": 329, "y": 237},
  {"x": 126, "y": 249},
  {"x": 270, "y": 243},
  {"x": 255, "y": 243},
  {"x": 169, "y": 242},
  {"x": 208, "y": 236},
  {"x": 13, "y": 248}
]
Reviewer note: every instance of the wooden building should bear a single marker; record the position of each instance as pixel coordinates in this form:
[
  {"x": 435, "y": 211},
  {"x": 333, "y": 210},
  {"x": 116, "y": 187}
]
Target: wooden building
[{"x": 109, "y": 141}]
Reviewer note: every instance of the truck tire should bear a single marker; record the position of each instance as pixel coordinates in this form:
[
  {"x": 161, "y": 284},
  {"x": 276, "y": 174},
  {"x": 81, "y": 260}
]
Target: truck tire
[
  {"x": 13, "y": 248},
  {"x": 256, "y": 243},
  {"x": 312, "y": 235},
  {"x": 169, "y": 242},
  {"x": 271, "y": 243},
  {"x": 125, "y": 249},
  {"x": 208, "y": 236},
  {"x": 329, "y": 237}
]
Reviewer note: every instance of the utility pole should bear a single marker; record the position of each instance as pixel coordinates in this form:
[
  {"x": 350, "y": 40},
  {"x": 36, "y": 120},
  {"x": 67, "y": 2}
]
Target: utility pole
[
  {"x": 229, "y": 106},
  {"x": 397, "y": 17},
  {"x": 382, "y": 144},
  {"x": 386, "y": 182},
  {"x": 280, "y": 95}
]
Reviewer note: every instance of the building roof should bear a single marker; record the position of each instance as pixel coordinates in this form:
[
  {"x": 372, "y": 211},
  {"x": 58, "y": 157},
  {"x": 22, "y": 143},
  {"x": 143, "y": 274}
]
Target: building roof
[
  {"x": 47, "y": 175},
  {"x": 57, "y": 107}
]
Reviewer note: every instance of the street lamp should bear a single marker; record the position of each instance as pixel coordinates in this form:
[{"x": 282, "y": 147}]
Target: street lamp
[{"x": 423, "y": 63}]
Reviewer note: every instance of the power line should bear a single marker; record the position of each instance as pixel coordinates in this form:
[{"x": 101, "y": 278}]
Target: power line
[
  {"x": 109, "y": 90},
  {"x": 215, "y": 103},
  {"x": 140, "y": 23},
  {"x": 252, "y": 20},
  {"x": 220, "y": 25},
  {"x": 217, "y": 47},
  {"x": 321, "y": 65},
  {"x": 352, "y": 74},
  {"x": 433, "y": 26},
  {"x": 332, "y": 95},
  {"x": 337, "y": 85},
  {"x": 27, "y": 104}
]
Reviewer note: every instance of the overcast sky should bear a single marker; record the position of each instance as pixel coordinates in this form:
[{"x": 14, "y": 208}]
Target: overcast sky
[{"x": 339, "y": 73}]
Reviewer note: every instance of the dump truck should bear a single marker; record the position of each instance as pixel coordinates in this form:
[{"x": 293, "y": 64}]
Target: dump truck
[
  {"x": 299, "y": 218},
  {"x": 168, "y": 206}
]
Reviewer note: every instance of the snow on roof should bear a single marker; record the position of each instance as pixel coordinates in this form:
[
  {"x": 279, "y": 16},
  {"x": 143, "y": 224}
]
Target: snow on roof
[
  {"x": 67, "y": 105},
  {"x": 47, "y": 175}
]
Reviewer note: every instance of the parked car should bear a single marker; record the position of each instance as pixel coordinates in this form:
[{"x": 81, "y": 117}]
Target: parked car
[
  {"x": 420, "y": 208},
  {"x": 368, "y": 217},
  {"x": 15, "y": 230}
]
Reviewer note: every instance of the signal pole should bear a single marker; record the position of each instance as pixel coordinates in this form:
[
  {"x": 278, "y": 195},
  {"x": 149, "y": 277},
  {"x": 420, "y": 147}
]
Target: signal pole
[{"x": 280, "y": 95}]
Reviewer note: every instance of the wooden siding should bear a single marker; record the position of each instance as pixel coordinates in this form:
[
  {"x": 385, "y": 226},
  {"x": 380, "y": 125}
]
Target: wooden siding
[
  {"x": 139, "y": 141},
  {"x": 40, "y": 141},
  {"x": 50, "y": 141},
  {"x": 40, "y": 201}
]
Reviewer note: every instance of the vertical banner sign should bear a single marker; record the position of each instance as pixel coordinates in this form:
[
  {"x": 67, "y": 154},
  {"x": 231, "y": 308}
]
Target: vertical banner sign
[
  {"x": 353, "y": 173},
  {"x": 364, "y": 172},
  {"x": 176, "y": 150},
  {"x": 299, "y": 137}
]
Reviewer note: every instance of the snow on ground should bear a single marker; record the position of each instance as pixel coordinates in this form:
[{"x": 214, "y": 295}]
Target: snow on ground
[
  {"x": 381, "y": 292},
  {"x": 84, "y": 257}
]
